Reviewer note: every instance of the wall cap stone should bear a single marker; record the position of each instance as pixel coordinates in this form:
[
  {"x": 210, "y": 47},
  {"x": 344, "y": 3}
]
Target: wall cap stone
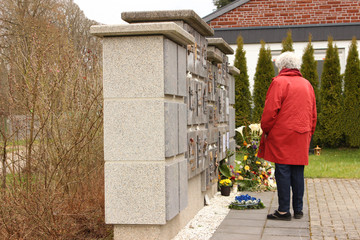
[
  {"x": 233, "y": 70},
  {"x": 188, "y": 16},
  {"x": 169, "y": 29},
  {"x": 220, "y": 44},
  {"x": 212, "y": 56}
]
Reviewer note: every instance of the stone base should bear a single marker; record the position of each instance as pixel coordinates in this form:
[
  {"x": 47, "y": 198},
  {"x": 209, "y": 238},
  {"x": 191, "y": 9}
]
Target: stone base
[{"x": 172, "y": 227}]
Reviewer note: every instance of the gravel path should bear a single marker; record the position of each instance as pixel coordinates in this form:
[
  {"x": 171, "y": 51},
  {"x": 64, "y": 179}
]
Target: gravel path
[{"x": 205, "y": 223}]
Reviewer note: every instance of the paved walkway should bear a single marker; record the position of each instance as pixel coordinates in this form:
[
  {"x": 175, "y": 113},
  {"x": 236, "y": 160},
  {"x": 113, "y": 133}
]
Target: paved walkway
[{"x": 331, "y": 211}]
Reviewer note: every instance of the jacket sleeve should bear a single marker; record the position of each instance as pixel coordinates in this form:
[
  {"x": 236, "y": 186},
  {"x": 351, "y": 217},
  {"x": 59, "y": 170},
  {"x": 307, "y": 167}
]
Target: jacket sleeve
[
  {"x": 272, "y": 106},
  {"x": 314, "y": 115}
]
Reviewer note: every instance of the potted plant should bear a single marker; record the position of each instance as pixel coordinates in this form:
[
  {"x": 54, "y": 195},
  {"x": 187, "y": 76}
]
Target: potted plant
[{"x": 225, "y": 187}]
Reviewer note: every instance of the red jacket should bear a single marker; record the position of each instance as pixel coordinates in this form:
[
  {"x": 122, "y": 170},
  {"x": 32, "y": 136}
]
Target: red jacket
[{"x": 288, "y": 120}]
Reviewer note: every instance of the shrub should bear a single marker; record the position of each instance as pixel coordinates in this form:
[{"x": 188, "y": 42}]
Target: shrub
[
  {"x": 242, "y": 92},
  {"x": 331, "y": 101},
  {"x": 262, "y": 79},
  {"x": 351, "y": 115}
]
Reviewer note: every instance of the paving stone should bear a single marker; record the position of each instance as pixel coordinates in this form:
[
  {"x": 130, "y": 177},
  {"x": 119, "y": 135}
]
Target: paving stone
[
  {"x": 242, "y": 222},
  {"x": 291, "y": 231},
  {"x": 234, "y": 236},
  {"x": 240, "y": 230},
  {"x": 283, "y": 238},
  {"x": 294, "y": 223},
  {"x": 247, "y": 214}
]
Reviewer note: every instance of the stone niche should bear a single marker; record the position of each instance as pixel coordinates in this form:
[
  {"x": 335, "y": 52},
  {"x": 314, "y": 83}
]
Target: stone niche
[{"x": 168, "y": 120}]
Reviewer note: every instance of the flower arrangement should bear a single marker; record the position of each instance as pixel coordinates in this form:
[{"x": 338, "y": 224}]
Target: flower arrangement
[
  {"x": 252, "y": 173},
  {"x": 225, "y": 182},
  {"x": 246, "y": 202}
]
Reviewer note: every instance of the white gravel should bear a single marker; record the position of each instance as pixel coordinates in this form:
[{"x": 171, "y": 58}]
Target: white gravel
[{"x": 205, "y": 223}]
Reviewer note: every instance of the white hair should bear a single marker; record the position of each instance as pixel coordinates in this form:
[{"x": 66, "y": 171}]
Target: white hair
[{"x": 287, "y": 60}]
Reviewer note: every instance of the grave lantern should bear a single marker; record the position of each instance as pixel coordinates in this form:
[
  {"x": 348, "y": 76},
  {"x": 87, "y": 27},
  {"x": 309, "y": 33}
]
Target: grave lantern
[{"x": 317, "y": 150}]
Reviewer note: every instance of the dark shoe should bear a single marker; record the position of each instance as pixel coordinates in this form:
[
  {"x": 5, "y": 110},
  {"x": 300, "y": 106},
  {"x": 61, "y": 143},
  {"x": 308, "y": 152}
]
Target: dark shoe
[
  {"x": 298, "y": 215},
  {"x": 277, "y": 216}
]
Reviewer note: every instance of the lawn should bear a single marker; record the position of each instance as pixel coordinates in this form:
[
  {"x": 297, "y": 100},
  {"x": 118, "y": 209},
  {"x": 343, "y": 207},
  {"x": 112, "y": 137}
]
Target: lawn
[{"x": 334, "y": 163}]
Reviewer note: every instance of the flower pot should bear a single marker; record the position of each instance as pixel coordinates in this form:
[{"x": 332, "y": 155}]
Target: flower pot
[{"x": 225, "y": 190}]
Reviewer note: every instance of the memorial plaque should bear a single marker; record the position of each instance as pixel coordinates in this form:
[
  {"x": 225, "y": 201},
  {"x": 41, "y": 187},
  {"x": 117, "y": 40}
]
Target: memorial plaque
[
  {"x": 181, "y": 71},
  {"x": 192, "y": 153},
  {"x": 170, "y": 65}
]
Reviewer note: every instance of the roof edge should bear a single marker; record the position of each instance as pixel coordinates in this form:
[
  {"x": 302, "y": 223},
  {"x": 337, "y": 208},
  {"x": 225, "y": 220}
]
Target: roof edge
[
  {"x": 289, "y": 26},
  {"x": 224, "y": 9}
]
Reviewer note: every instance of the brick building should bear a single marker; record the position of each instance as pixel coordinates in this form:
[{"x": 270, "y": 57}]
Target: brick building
[{"x": 269, "y": 20}]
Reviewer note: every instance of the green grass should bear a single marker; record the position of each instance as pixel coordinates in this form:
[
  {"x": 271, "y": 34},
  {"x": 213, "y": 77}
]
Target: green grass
[{"x": 334, "y": 163}]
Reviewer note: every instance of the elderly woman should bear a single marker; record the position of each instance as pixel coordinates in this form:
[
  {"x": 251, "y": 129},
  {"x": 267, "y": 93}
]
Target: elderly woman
[{"x": 288, "y": 122}]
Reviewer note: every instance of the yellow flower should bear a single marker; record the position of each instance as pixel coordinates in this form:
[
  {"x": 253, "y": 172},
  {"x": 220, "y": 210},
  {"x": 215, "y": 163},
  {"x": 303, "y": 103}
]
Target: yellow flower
[
  {"x": 261, "y": 176},
  {"x": 247, "y": 168},
  {"x": 255, "y": 154},
  {"x": 225, "y": 182},
  {"x": 239, "y": 172},
  {"x": 245, "y": 157},
  {"x": 257, "y": 162}
]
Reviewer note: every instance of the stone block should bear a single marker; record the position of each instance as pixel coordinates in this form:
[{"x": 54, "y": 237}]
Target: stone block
[
  {"x": 205, "y": 147},
  {"x": 182, "y": 116},
  {"x": 199, "y": 102},
  {"x": 192, "y": 153},
  {"x": 172, "y": 190},
  {"x": 130, "y": 74},
  {"x": 171, "y": 129},
  {"x": 221, "y": 44},
  {"x": 169, "y": 29},
  {"x": 203, "y": 43},
  {"x": 134, "y": 130},
  {"x": 170, "y": 65},
  {"x": 181, "y": 71},
  {"x": 232, "y": 90},
  {"x": 232, "y": 121},
  {"x": 190, "y": 60},
  {"x": 213, "y": 135},
  {"x": 203, "y": 181},
  {"x": 191, "y": 19},
  {"x": 204, "y": 114},
  {"x": 183, "y": 184},
  {"x": 192, "y": 102},
  {"x": 212, "y": 55},
  {"x": 210, "y": 115},
  {"x": 140, "y": 201}
]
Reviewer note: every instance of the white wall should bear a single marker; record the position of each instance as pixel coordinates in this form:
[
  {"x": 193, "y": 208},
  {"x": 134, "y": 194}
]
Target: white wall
[{"x": 252, "y": 54}]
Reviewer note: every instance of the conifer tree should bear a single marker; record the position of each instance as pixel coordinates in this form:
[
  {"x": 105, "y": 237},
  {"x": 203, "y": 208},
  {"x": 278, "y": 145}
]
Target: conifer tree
[
  {"x": 309, "y": 69},
  {"x": 287, "y": 43},
  {"x": 262, "y": 79},
  {"x": 351, "y": 114},
  {"x": 330, "y": 117},
  {"x": 242, "y": 92}
]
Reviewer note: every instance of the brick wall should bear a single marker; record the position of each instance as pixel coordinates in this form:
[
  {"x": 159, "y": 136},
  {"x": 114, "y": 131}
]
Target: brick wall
[{"x": 289, "y": 12}]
